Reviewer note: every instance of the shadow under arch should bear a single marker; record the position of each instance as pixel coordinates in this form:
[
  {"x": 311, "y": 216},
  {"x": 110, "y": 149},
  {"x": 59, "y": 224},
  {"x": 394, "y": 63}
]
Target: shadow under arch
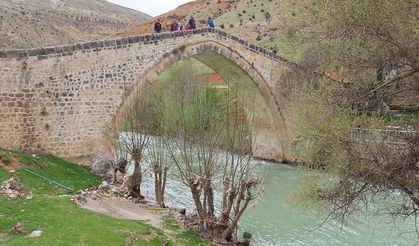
[{"x": 268, "y": 129}]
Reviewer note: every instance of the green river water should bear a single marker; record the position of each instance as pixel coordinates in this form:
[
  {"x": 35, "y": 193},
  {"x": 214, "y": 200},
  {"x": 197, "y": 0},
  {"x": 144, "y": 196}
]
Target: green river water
[{"x": 275, "y": 219}]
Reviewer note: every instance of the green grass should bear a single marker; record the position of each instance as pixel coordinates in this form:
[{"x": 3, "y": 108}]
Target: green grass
[
  {"x": 413, "y": 117},
  {"x": 71, "y": 175},
  {"x": 4, "y": 175},
  {"x": 190, "y": 237},
  {"x": 64, "y": 223},
  {"x": 175, "y": 69},
  {"x": 170, "y": 223}
]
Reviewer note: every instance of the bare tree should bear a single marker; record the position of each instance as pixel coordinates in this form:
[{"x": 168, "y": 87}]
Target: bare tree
[
  {"x": 195, "y": 153},
  {"x": 160, "y": 165},
  {"x": 240, "y": 184},
  {"x": 135, "y": 141},
  {"x": 211, "y": 147}
]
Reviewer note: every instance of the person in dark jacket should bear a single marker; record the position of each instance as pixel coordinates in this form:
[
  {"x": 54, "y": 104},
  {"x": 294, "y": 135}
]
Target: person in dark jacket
[
  {"x": 157, "y": 26},
  {"x": 192, "y": 23},
  {"x": 211, "y": 22}
]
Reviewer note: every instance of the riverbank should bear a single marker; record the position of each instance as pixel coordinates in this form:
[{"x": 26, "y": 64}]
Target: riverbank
[{"x": 46, "y": 208}]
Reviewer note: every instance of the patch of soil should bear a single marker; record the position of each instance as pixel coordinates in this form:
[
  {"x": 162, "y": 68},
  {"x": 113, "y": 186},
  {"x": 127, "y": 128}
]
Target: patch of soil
[
  {"x": 213, "y": 78},
  {"x": 10, "y": 163},
  {"x": 122, "y": 208}
]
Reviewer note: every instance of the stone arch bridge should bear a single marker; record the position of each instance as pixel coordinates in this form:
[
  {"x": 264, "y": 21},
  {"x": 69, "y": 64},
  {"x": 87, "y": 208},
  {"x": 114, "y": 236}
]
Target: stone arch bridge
[{"x": 59, "y": 99}]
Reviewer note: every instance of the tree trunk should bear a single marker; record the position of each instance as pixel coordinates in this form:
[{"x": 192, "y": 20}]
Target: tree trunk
[
  {"x": 209, "y": 196},
  {"x": 228, "y": 232},
  {"x": 135, "y": 186},
  {"x": 196, "y": 195},
  {"x": 158, "y": 185},
  {"x": 225, "y": 214}
]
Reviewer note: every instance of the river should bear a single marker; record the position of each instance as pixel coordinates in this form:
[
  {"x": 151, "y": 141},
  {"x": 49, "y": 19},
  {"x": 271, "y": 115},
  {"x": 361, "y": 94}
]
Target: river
[{"x": 276, "y": 218}]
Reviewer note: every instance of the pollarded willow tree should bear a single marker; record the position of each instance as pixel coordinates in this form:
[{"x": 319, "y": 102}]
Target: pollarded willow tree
[
  {"x": 371, "y": 48},
  {"x": 161, "y": 166},
  {"x": 209, "y": 142},
  {"x": 130, "y": 142}
]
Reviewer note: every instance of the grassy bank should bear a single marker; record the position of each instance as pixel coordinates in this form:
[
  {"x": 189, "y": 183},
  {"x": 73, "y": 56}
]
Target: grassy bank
[{"x": 63, "y": 223}]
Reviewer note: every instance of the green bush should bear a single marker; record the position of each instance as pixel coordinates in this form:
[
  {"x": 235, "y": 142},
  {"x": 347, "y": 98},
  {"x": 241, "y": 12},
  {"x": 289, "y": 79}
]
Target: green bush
[{"x": 247, "y": 235}]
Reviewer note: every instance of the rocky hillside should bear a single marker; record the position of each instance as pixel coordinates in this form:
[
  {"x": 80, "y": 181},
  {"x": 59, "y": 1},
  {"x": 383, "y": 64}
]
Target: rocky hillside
[
  {"x": 35, "y": 23},
  {"x": 257, "y": 21},
  {"x": 200, "y": 9}
]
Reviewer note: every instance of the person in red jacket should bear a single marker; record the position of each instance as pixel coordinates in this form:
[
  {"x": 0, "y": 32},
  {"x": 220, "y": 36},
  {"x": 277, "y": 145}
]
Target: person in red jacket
[{"x": 173, "y": 26}]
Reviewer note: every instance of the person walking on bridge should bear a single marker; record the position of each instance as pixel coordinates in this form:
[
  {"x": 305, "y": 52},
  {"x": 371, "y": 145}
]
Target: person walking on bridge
[
  {"x": 157, "y": 26},
  {"x": 179, "y": 25},
  {"x": 174, "y": 27},
  {"x": 192, "y": 23},
  {"x": 211, "y": 22}
]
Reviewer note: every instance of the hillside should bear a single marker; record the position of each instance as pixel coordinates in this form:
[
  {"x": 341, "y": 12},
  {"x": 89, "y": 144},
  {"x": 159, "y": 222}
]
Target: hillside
[
  {"x": 257, "y": 21},
  {"x": 200, "y": 9},
  {"x": 36, "y": 23}
]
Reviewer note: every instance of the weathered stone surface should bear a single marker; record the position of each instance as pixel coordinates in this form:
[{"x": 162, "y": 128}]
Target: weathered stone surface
[
  {"x": 58, "y": 99},
  {"x": 101, "y": 164}
]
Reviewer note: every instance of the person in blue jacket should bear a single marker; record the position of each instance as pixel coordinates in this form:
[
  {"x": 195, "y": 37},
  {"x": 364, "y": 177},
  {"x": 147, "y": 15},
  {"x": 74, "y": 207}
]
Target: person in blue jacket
[{"x": 211, "y": 22}]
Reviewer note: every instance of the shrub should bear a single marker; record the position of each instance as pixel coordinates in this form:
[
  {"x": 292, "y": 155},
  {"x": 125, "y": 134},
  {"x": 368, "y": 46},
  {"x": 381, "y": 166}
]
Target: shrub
[{"x": 247, "y": 235}]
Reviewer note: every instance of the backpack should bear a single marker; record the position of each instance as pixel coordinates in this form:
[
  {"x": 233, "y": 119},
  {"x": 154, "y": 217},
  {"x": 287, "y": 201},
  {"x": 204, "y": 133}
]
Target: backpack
[{"x": 211, "y": 23}]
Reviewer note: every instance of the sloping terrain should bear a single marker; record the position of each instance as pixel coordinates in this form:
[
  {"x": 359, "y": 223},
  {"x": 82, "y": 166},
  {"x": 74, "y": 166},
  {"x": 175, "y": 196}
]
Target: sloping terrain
[
  {"x": 258, "y": 21},
  {"x": 36, "y": 23},
  {"x": 44, "y": 207},
  {"x": 200, "y": 9}
]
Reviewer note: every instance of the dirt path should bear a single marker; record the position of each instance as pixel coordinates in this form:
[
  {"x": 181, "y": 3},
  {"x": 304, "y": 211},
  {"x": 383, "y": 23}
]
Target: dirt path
[{"x": 121, "y": 208}]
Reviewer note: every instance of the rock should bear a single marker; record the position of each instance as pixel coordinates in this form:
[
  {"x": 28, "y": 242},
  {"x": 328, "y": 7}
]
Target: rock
[
  {"x": 102, "y": 165},
  {"x": 35, "y": 234},
  {"x": 17, "y": 229},
  {"x": 15, "y": 183},
  {"x": 79, "y": 200},
  {"x": 105, "y": 186},
  {"x": 12, "y": 188}
]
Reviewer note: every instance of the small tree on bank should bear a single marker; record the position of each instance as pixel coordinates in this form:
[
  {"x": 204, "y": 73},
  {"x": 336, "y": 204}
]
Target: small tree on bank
[
  {"x": 160, "y": 165},
  {"x": 135, "y": 141}
]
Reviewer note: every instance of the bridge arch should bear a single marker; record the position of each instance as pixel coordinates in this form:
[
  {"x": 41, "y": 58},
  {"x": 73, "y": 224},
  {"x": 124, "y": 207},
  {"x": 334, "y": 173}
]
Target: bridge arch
[
  {"x": 269, "y": 128},
  {"x": 59, "y": 99}
]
